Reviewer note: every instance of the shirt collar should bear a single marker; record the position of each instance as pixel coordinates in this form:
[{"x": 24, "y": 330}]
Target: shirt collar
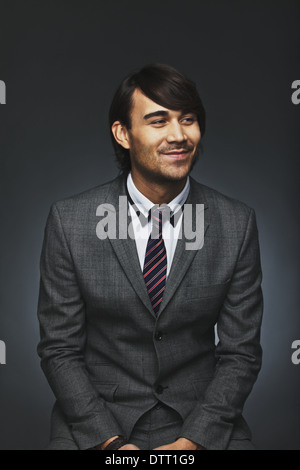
[{"x": 144, "y": 204}]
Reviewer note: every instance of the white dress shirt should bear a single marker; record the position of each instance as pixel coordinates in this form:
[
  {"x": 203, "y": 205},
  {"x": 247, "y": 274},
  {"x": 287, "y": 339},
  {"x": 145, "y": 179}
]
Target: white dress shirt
[{"x": 141, "y": 233}]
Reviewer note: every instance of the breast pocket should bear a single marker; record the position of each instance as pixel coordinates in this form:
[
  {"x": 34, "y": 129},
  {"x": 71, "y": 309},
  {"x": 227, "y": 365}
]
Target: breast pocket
[{"x": 206, "y": 300}]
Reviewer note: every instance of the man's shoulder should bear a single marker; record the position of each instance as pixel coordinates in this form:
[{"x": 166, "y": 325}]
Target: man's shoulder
[
  {"x": 79, "y": 209},
  {"x": 95, "y": 195},
  {"x": 217, "y": 200}
]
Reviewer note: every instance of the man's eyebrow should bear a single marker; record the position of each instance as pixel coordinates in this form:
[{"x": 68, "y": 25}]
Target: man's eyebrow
[
  {"x": 156, "y": 113},
  {"x": 166, "y": 113}
]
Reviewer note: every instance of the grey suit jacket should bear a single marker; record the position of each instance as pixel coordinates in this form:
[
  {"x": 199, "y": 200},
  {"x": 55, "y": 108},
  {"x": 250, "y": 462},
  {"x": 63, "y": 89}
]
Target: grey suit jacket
[{"x": 108, "y": 359}]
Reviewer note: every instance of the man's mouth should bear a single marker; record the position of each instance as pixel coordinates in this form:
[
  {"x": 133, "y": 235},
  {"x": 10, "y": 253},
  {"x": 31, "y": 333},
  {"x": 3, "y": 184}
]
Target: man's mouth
[{"x": 177, "y": 154}]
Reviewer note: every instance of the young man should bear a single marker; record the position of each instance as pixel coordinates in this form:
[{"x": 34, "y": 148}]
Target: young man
[{"x": 127, "y": 322}]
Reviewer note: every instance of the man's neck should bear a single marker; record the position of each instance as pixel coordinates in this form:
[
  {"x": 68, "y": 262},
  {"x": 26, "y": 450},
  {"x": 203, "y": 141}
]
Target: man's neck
[{"x": 158, "y": 193}]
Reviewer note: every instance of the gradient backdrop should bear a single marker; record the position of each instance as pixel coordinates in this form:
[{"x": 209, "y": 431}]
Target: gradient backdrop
[{"x": 61, "y": 61}]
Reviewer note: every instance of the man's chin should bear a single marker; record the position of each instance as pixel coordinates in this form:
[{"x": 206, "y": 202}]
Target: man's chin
[
  {"x": 172, "y": 176},
  {"x": 177, "y": 177},
  {"x": 180, "y": 173},
  {"x": 167, "y": 173}
]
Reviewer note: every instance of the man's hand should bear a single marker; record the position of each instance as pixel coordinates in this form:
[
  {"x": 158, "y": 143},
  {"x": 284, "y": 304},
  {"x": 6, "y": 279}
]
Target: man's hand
[
  {"x": 180, "y": 444},
  {"x": 129, "y": 447},
  {"x": 125, "y": 447}
]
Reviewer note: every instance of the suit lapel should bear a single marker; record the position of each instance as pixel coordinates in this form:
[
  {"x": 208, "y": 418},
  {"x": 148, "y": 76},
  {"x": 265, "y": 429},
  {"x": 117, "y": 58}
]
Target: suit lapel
[
  {"x": 125, "y": 249},
  {"x": 183, "y": 257}
]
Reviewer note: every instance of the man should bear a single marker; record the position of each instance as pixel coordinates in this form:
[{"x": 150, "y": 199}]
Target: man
[{"x": 128, "y": 322}]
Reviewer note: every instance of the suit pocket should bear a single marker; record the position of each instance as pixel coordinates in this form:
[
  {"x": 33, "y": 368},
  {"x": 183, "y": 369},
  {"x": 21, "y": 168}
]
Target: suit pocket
[
  {"x": 104, "y": 379},
  {"x": 107, "y": 391}
]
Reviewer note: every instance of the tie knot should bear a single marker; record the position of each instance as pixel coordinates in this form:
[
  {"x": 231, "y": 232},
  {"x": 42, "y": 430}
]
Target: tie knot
[
  {"x": 158, "y": 211},
  {"x": 157, "y": 217}
]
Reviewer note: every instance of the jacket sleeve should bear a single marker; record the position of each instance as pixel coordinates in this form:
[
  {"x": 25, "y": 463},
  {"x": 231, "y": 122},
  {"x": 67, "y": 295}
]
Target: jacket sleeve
[
  {"x": 238, "y": 352},
  {"x": 61, "y": 313}
]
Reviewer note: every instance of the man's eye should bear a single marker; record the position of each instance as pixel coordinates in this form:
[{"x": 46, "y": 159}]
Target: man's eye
[
  {"x": 189, "y": 120},
  {"x": 159, "y": 121}
]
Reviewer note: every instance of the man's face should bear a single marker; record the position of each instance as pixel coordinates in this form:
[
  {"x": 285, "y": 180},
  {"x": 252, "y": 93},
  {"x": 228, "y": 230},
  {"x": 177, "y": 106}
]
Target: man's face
[{"x": 163, "y": 143}]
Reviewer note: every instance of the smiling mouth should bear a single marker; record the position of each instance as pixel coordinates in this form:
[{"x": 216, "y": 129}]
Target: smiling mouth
[{"x": 177, "y": 155}]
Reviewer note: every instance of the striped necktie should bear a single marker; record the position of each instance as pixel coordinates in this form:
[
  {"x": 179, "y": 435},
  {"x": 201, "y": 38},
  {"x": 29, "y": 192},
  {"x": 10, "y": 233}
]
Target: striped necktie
[{"x": 155, "y": 265}]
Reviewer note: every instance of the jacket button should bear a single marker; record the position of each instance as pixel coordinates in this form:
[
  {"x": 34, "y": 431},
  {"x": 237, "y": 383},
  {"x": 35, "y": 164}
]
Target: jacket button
[
  {"x": 158, "y": 336},
  {"x": 159, "y": 389}
]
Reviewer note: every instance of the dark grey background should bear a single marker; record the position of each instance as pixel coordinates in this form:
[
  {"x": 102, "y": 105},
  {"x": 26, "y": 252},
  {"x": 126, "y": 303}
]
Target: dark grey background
[{"x": 61, "y": 61}]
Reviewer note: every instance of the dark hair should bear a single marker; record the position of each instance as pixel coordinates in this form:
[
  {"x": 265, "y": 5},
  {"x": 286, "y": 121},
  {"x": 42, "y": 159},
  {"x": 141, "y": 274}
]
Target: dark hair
[{"x": 163, "y": 85}]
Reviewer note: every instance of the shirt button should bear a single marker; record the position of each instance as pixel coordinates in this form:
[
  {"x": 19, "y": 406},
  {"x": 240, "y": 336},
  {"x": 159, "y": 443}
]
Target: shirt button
[{"x": 159, "y": 389}]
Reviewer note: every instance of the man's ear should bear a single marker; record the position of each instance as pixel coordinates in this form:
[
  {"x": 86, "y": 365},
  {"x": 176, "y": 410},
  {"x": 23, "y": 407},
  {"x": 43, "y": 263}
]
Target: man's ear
[{"x": 120, "y": 133}]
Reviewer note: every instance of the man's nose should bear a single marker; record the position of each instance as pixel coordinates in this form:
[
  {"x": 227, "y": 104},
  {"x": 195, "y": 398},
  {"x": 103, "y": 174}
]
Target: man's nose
[{"x": 176, "y": 133}]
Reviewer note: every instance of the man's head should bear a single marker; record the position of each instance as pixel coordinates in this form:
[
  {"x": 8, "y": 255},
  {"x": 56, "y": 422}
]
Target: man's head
[{"x": 157, "y": 120}]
